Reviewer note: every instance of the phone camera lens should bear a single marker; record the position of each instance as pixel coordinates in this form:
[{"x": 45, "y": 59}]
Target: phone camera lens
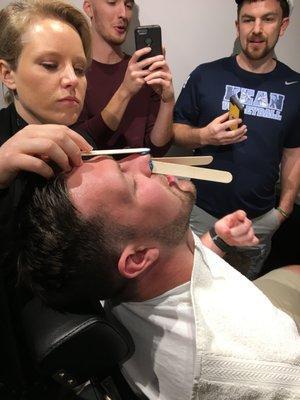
[{"x": 148, "y": 41}]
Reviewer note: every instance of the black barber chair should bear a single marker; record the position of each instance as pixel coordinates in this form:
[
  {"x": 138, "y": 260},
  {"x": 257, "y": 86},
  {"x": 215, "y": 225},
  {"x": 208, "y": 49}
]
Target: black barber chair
[
  {"x": 74, "y": 349},
  {"x": 82, "y": 353},
  {"x": 47, "y": 355}
]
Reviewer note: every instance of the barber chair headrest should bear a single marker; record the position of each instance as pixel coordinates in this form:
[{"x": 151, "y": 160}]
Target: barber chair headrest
[{"x": 74, "y": 348}]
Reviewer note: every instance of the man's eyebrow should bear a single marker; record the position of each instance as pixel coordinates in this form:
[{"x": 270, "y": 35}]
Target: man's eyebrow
[
  {"x": 247, "y": 15},
  {"x": 271, "y": 13}
]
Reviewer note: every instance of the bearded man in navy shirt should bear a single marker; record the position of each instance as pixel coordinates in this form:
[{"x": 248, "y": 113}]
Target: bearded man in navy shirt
[{"x": 267, "y": 137}]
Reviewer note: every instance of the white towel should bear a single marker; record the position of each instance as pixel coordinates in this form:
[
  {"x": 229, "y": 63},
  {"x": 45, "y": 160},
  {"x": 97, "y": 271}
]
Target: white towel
[{"x": 244, "y": 344}]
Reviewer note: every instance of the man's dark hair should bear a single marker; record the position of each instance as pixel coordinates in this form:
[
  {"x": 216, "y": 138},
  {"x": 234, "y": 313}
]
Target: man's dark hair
[
  {"x": 283, "y": 3},
  {"x": 67, "y": 260}
]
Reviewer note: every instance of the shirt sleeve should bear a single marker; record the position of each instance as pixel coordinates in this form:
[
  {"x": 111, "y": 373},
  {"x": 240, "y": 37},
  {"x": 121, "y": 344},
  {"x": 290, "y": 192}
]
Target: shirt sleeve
[
  {"x": 187, "y": 107},
  {"x": 93, "y": 127}
]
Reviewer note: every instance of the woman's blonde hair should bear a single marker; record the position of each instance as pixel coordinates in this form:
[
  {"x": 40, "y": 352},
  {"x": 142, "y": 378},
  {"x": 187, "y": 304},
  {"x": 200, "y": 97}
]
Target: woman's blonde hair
[{"x": 18, "y": 15}]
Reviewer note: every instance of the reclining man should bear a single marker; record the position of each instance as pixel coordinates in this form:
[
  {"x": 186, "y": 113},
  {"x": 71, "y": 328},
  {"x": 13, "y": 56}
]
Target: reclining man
[{"x": 113, "y": 230}]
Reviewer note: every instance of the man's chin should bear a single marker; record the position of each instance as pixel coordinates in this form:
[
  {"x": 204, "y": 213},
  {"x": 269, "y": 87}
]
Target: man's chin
[
  {"x": 257, "y": 55},
  {"x": 186, "y": 185},
  {"x": 118, "y": 40},
  {"x": 187, "y": 189},
  {"x": 188, "y": 197}
]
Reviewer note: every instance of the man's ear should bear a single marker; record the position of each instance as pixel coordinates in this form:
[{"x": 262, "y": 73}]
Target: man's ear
[
  {"x": 284, "y": 24},
  {"x": 7, "y": 75},
  {"x": 87, "y": 8},
  {"x": 133, "y": 261}
]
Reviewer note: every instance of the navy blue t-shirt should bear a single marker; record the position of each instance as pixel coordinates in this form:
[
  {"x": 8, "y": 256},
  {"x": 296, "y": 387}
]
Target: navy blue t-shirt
[{"x": 272, "y": 116}]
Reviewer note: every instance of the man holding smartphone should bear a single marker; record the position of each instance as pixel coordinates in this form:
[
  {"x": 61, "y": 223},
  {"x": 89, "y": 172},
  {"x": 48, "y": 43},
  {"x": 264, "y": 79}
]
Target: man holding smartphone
[
  {"x": 129, "y": 103},
  {"x": 269, "y": 135}
]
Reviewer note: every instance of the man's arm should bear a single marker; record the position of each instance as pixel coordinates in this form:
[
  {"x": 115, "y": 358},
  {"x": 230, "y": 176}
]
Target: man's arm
[
  {"x": 133, "y": 81},
  {"x": 188, "y": 117},
  {"x": 154, "y": 72},
  {"x": 161, "y": 133},
  {"x": 234, "y": 229},
  {"x": 216, "y": 133},
  {"x": 289, "y": 180},
  {"x": 160, "y": 79}
]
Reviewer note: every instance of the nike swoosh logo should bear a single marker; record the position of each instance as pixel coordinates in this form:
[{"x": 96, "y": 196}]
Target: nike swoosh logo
[{"x": 291, "y": 83}]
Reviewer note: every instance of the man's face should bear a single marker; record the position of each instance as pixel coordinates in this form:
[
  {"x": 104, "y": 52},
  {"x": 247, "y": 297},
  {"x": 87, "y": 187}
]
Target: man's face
[
  {"x": 129, "y": 193},
  {"x": 259, "y": 26},
  {"x": 110, "y": 18}
]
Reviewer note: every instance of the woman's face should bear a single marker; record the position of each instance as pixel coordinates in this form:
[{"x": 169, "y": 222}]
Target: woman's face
[{"x": 50, "y": 76}]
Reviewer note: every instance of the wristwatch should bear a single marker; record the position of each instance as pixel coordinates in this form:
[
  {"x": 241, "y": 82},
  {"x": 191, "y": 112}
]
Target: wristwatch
[{"x": 218, "y": 241}]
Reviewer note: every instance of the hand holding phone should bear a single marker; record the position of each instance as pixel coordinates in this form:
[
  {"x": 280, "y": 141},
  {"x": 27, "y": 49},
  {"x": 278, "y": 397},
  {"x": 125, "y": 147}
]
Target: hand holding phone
[
  {"x": 156, "y": 72},
  {"x": 148, "y": 36},
  {"x": 236, "y": 111}
]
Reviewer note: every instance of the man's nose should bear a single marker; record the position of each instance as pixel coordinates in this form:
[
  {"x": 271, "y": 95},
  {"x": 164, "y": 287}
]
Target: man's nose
[
  {"x": 138, "y": 164},
  {"x": 257, "y": 27},
  {"x": 122, "y": 10}
]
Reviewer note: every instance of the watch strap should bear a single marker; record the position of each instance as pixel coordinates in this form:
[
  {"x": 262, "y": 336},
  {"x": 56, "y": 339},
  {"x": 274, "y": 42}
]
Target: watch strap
[{"x": 218, "y": 241}]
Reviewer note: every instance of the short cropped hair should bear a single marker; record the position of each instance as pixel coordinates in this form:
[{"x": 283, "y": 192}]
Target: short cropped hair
[
  {"x": 283, "y": 3},
  {"x": 65, "y": 259},
  {"x": 18, "y": 15}
]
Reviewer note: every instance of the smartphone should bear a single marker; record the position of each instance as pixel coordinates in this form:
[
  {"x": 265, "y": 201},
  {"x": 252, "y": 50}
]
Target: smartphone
[
  {"x": 236, "y": 110},
  {"x": 148, "y": 36}
]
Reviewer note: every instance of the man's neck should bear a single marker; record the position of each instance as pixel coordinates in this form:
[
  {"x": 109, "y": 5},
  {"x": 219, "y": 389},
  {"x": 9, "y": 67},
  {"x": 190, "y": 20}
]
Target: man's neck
[
  {"x": 262, "y": 66},
  {"x": 105, "y": 52},
  {"x": 173, "y": 269}
]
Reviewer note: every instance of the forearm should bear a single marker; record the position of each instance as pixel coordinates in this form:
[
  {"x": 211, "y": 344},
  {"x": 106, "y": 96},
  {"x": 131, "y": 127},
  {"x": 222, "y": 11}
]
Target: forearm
[
  {"x": 188, "y": 136},
  {"x": 233, "y": 230},
  {"x": 289, "y": 179},
  {"x": 161, "y": 133},
  {"x": 114, "y": 111}
]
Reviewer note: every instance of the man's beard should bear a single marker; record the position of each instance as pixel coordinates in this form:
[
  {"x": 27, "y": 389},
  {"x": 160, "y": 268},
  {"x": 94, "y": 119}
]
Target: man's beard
[
  {"x": 116, "y": 41},
  {"x": 260, "y": 54},
  {"x": 169, "y": 234},
  {"x": 172, "y": 233},
  {"x": 111, "y": 40}
]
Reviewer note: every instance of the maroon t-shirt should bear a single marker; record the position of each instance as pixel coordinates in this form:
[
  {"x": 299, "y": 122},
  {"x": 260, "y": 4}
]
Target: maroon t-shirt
[{"x": 139, "y": 117}]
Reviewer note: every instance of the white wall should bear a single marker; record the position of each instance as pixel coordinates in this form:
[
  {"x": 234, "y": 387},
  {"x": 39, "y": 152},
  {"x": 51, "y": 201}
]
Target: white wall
[{"x": 196, "y": 31}]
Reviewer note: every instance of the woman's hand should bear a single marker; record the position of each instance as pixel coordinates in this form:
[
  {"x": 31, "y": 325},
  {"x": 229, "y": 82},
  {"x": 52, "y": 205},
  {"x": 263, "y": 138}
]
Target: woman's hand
[{"x": 34, "y": 146}]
